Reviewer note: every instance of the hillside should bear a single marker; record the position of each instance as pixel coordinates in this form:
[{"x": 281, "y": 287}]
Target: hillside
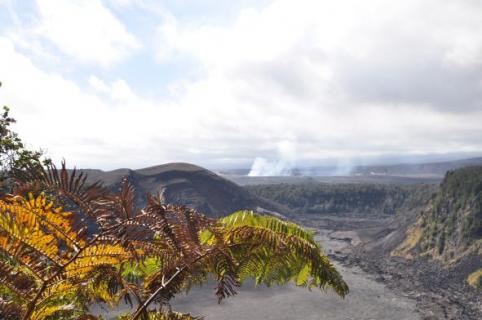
[
  {"x": 450, "y": 228},
  {"x": 453, "y": 225},
  {"x": 187, "y": 184}
]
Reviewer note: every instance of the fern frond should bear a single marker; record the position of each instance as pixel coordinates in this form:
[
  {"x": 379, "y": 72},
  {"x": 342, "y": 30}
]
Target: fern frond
[{"x": 273, "y": 251}]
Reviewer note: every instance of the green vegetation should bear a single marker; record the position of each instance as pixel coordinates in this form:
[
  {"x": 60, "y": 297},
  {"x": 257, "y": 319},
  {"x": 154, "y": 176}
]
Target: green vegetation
[
  {"x": 346, "y": 198},
  {"x": 452, "y": 227}
]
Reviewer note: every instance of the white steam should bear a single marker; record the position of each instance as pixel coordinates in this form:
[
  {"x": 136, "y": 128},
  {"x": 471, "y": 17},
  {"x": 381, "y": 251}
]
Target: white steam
[
  {"x": 283, "y": 166},
  {"x": 263, "y": 167}
]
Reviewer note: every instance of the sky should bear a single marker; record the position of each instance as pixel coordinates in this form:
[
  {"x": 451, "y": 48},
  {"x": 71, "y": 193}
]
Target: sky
[{"x": 227, "y": 84}]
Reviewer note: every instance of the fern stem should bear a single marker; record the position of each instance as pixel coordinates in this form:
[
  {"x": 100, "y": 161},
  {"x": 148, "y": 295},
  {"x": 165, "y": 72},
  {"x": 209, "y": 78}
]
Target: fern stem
[
  {"x": 143, "y": 307},
  {"x": 31, "y": 305}
]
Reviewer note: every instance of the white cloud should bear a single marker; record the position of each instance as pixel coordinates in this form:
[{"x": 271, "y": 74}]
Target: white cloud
[
  {"x": 352, "y": 77},
  {"x": 85, "y": 30},
  {"x": 98, "y": 85},
  {"x": 55, "y": 113},
  {"x": 402, "y": 51},
  {"x": 296, "y": 80}
]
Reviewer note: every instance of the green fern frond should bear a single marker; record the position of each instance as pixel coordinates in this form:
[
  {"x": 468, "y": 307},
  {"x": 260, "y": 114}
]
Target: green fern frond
[{"x": 273, "y": 251}]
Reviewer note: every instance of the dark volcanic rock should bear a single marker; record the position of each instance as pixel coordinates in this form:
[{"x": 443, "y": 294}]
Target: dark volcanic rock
[{"x": 190, "y": 185}]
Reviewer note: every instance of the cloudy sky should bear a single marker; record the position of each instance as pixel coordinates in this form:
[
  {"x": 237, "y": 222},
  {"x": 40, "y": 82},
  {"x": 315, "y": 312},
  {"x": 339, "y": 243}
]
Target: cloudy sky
[{"x": 134, "y": 83}]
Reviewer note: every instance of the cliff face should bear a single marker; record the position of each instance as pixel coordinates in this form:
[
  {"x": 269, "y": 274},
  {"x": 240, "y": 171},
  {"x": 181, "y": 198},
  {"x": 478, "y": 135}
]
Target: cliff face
[
  {"x": 450, "y": 228},
  {"x": 453, "y": 226}
]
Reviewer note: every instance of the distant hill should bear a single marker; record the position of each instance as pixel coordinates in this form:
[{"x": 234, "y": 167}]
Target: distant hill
[
  {"x": 433, "y": 169},
  {"x": 187, "y": 184}
]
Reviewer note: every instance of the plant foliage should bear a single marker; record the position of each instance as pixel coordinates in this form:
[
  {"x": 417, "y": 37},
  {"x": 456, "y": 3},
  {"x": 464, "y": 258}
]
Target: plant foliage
[{"x": 66, "y": 245}]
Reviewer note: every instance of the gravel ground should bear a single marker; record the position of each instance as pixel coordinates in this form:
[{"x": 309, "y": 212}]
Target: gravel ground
[
  {"x": 367, "y": 300},
  {"x": 440, "y": 293}
]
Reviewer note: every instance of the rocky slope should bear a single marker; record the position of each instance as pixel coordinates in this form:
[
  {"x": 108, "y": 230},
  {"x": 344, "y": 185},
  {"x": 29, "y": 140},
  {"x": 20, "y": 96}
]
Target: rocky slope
[
  {"x": 433, "y": 253},
  {"x": 187, "y": 184}
]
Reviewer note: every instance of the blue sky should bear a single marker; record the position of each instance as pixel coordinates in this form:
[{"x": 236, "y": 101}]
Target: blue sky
[{"x": 134, "y": 83}]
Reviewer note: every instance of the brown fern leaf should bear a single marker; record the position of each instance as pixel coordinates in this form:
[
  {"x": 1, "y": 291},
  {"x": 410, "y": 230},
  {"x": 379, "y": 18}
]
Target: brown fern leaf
[
  {"x": 69, "y": 185},
  {"x": 170, "y": 288},
  {"x": 168, "y": 227},
  {"x": 115, "y": 208},
  {"x": 179, "y": 225}
]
